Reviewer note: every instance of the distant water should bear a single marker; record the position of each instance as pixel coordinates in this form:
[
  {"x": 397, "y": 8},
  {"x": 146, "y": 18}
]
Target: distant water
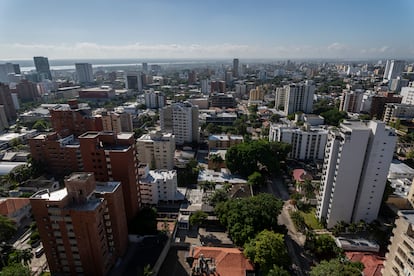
[{"x": 27, "y": 65}]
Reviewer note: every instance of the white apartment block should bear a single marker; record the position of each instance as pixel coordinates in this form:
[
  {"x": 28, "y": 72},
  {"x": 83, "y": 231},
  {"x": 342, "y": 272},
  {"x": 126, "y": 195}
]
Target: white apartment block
[
  {"x": 181, "y": 119},
  {"x": 308, "y": 143},
  {"x": 299, "y": 97},
  {"x": 157, "y": 149},
  {"x": 408, "y": 94},
  {"x": 400, "y": 259},
  {"x": 158, "y": 185},
  {"x": 154, "y": 99},
  {"x": 393, "y": 69},
  {"x": 398, "y": 111},
  {"x": 351, "y": 101},
  {"x": 280, "y": 97},
  {"x": 357, "y": 160}
]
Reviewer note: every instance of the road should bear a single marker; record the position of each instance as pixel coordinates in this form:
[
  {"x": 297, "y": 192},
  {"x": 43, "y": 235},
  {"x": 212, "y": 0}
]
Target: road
[{"x": 294, "y": 239}]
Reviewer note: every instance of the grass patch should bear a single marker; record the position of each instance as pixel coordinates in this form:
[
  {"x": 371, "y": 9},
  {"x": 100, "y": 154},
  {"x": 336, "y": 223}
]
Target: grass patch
[{"x": 310, "y": 219}]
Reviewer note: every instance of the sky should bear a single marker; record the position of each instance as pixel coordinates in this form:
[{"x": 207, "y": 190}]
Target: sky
[{"x": 206, "y": 29}]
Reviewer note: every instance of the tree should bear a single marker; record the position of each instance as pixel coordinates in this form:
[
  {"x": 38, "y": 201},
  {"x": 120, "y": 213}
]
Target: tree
[
  {"x": 15, "y": 269},
  {"x": 251, "y": 156},
  {"x": 274, "y": 118},
  {"x": 7, "y": 228},
  {"x": 245, "y": 217},
  {"x": 267, "y": 249},
  {"x": 40, "y": 125},
  {"x": 19, "y": 256},
  {"x": 277, "y": 271},
  {"x": 322, "y": 246},
  {"x": 336, "y": 267},
  {"x": 198, "y": 218},
  {"x": 298, "y": 221},
  {"x": 212, "y": 128},
  {"x": 256, "y": 179},
  {"x": 334, "y": 116},
  {"x": 218, "y": 196}
]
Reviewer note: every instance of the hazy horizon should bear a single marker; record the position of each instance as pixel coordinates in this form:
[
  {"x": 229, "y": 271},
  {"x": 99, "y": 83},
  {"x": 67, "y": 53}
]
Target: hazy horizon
[{"x": 184, "y": 29}]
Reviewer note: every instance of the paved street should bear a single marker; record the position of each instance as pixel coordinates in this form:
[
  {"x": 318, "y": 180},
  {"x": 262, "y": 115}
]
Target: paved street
[{"x": 294, "y": 240}]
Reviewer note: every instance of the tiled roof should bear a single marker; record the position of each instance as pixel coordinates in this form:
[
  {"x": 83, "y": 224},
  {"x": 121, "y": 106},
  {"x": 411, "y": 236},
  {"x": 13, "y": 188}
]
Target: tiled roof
[
  {"x": 373, "y": 263},
  {"x": 229, "y": 261}
]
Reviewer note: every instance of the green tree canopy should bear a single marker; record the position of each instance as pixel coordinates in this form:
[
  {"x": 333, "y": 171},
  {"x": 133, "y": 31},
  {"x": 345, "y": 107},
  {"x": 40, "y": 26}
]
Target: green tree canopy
[
  {"x": 251, "y": 156},
  {"x": 322, "y": 246},
  {"x": 198, "y": 218},
  {"x": 336, "y": 267},
  {"x": 7, "y": 228},
  {"x": 334, "y": 116},
  {"x": 267, "y": 249},
  {"x": 15, "y": 269},
  {"x": 245, "y": 217},
  {"x": 277, "y": 271},
  {"x": 218, "y": 196},
  {"x": 256, "y": 179}
]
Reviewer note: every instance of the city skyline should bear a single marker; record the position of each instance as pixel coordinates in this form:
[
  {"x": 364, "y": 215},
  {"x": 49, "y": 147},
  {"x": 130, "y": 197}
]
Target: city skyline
[{"x": 210, "y": 29}]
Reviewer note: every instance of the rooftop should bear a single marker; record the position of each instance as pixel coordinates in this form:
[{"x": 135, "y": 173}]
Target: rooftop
[
  {"x": 10, "y": 205},
  {"x": 373, "y": 264},
  {"x": 57, "y": 195},
  {"x": 227, "y": 261},
  {"x": 106, "y": 187}
]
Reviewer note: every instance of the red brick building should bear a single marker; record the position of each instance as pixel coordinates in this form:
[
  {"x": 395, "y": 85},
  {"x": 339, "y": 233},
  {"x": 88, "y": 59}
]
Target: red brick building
[
  {"x": 82, "y": 230},
  {"x": 60, "y": 155},
  {"x": 113, "y": 156},
  {"x": 75, "y": 119}
]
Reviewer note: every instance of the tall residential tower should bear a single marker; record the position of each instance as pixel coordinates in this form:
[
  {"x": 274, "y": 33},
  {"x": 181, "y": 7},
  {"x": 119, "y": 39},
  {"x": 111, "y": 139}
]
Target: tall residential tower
[{"x": 357, "y": 160}]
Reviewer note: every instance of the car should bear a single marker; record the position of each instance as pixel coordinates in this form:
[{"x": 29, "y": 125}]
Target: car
[{"x": 39, "y": 251}]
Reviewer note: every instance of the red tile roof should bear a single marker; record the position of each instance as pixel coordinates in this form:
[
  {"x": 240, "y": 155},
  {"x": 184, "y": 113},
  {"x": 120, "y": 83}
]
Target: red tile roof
[
  {"x": 373, "y": 263},
  {"x": 300, "y": 175},
  {"x": 229, "y": 261}
]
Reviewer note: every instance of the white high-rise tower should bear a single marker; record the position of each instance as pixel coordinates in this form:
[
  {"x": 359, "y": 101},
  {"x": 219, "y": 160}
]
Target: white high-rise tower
[{"x": 357, "y": 160}]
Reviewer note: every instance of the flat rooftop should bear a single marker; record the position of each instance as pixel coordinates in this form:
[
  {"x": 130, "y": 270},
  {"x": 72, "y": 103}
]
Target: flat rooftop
[{"x": 57, "y": 195}]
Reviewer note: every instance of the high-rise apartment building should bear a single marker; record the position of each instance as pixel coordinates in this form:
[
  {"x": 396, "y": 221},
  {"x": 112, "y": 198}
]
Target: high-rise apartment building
[
  {"x": 299, "y": 97},
  {"x": 5, "y": 70},
  {"x": 280, "y": 98},
  {"x": 407, "y": 94},
  {"x": 133, "y": 81},
  {"x": 83, "y": 227},
  {"x": 154, "y": 99},
  {"x": 236, "y": 67},
  {"x": 42, "y": 67},
  {"x": 400, "y": 259},
  {"x": 60, "y": 156},
  {"x": 27, "y": 91},
  {"x": 116, "y": 121},
  {"x": 356, "y": 164},
  {"x": 74, "y": 119},
  {"x": 393, "y": 69},
  {"x": 181, "y": 119},
  {"x": 205, "y": 86},
  {"x": 351, "y": 101},
  {"x": 307, "y": 143},
  {"x": 7, "y": 101},
  {"x": 157, "y": 150},
  {"x": 112, "y": 156},
  {"x": 158, "y": 185},
  {"x": 84, "y": 72},
  {"x": 145, "y": 67}
]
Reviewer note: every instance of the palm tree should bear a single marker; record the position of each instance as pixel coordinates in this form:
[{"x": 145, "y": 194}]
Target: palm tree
[{"x": 27, "y": 256}]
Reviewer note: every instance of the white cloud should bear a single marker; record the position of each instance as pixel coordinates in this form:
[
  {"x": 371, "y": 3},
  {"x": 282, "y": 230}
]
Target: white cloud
[{"x": 175, "y": 50}]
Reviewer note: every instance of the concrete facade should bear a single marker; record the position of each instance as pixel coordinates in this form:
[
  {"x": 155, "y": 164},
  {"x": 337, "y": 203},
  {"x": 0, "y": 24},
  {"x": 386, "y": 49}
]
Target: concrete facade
[{"x": 357, "y": 160}]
